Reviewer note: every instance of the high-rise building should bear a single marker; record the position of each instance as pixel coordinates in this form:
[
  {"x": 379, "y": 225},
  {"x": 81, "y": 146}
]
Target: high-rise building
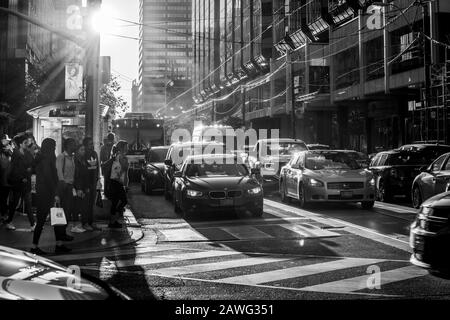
[{"x": 164, "y": 50}]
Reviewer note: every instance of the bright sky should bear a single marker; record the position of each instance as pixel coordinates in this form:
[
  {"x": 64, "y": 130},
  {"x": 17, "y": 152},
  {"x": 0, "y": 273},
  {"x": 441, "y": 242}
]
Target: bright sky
[{"x": 124, "y": 52}]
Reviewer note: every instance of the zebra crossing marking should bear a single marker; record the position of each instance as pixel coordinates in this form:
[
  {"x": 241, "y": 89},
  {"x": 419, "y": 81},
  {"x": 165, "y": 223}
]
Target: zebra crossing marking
[
  {"x": 182, "y": 235},
  {"x": 350, "y": 285},
  {"x": 312, "y": 232},
  {"x": 216, "y": 266},
  {"x": 246, "y": 232},
  {"x": 300, "y": 271},
  {"x": 173, "y": 257}
]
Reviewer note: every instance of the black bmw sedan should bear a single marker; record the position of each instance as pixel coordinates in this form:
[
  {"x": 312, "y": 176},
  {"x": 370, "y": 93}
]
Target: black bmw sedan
[
  {"x": 430, "y": 235},
  {"x": 216, "y": 183},
  {"x": 24, "y": 276}
]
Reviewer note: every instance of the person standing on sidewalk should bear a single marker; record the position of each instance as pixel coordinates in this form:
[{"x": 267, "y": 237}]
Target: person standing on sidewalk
[
  {"x": 82, "y": 185},
  {"x": 119, "y": 182},
  {"x": 65, "y": 165},
  {"x": 20, "y": 180},
  {"x": 105, "y": 155},
  {"x": 46, "y": 184},
  {"x": 5, "y": 167},
  {"x": 94, "y": 181}
]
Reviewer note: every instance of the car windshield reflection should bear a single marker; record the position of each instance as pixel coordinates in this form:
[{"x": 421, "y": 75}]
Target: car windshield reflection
[
  {"x": 330, "y": 161},
  {"x": 216, "y": 170}
]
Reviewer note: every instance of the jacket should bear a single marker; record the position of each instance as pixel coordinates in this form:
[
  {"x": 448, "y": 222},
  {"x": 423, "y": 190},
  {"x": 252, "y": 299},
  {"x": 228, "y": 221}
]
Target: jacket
[
  {"x": 5, "y": 168},
  {"x": 81, "y": 179},
  {"x": 46, "y": 177},
  {"x": 21, "y": 168}
]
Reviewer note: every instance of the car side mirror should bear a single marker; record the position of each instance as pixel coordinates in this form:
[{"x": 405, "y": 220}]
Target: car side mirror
[
  {"x": 424, "y": 169},
  {"x": 177, "y": 174},
  {"x": 168, "y": 162}
]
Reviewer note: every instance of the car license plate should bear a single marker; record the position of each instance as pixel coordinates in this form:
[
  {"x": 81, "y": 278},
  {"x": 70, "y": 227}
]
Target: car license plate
[
  {"x": 346, "y": 194},
  {"x": 226, "y": 202}
]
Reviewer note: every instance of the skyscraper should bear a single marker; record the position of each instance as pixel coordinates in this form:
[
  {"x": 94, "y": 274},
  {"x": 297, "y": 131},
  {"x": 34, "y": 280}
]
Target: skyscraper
[{"x": 164, "y": 50}]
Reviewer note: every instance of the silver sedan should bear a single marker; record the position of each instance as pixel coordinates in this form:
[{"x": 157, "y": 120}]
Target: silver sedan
[{"x": 326, "y": 176}]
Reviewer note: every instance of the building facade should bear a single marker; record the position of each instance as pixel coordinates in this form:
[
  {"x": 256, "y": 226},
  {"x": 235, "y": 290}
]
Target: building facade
[
  {"x": 338, "y": 72},
  {"x": 165, "y": 49},
  {"x": 26, "y": 53}
]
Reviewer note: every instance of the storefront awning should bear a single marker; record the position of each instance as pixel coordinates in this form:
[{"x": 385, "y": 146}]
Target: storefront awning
[{"x": 62, "y": 109}]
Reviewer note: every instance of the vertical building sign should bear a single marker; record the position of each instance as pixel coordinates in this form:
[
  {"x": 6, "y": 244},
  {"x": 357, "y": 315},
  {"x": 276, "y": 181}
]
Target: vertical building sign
[{"x": 74, "y": 81}]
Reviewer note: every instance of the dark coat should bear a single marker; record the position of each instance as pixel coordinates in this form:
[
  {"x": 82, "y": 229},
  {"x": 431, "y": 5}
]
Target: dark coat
[
  {"x": 46, "y": 177},
  {"x": 82, "y": 178},
  {"x": 21, "y": 168}
]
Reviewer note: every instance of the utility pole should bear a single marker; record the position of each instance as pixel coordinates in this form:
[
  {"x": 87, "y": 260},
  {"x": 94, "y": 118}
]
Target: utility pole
[
  {"x": 290, "y": 96},
  {"x": 427, "y": 63},
  {"x": 93, "y": 79}
]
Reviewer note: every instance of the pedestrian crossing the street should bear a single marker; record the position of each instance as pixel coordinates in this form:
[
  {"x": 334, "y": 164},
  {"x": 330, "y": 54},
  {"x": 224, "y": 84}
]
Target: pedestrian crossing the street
[{"x": 330, "y": 275}]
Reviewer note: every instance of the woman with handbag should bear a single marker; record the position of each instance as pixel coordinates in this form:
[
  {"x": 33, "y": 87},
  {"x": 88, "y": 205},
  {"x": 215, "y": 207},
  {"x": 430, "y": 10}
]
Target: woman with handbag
[
  {"x": 82, "y": 185},
  {"x": 46, "y": 184}
]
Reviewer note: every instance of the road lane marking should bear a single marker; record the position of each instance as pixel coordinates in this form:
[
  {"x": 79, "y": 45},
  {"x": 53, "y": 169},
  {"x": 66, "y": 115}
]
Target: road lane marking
[
  {"x": 182, "y": 235},
  {"x": 350, "y": 227},
  {"x": 215, "y": 266},
  {"x": 174, "y": 257},
  {"x": 246, "y": 232},
  {"x": 296, "y": 272},
  {"x": 312, "y": 232},
  {"x": 109, "y": 253},
  {"x": 360, "y": 283}
]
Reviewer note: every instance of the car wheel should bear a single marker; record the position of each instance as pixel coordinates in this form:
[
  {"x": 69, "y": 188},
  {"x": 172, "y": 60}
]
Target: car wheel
[
  {"x": 383, "y": 193},
  {"x": 367, "y": 205},
  {"x": 176, "y": 207},
  {"x": 301, "y": 196},
  {"x": 258, "y": 213},
  {"x": 148, "y": 190},
  {"x": 416, "y": 197},
  {"x": 284, "y": 196},
  {"x": 166, "y": 193}
]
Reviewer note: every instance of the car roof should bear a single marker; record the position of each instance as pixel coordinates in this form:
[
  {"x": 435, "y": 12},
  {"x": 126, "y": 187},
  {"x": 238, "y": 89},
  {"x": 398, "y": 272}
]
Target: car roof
[
  {"x": 210, "y": 156},
  {"x": 160, "y": 148},
  {"x": 423, "y": 145},
  {"x": 200, "y": 143},
  {"x": 281, "y": 140}
]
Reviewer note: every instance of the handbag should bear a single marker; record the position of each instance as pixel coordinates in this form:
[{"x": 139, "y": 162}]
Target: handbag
[
  {"x": 57, "y": 217},
  {"x": 99, "y": 200}
]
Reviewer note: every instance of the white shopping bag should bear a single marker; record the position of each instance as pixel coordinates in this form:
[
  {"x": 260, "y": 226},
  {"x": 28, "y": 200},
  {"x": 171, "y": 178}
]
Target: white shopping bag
[{"x": 57, "y": 217}]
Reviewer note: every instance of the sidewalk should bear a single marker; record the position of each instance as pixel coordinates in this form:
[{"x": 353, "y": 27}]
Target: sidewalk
[{"x": 85, "y": 242}]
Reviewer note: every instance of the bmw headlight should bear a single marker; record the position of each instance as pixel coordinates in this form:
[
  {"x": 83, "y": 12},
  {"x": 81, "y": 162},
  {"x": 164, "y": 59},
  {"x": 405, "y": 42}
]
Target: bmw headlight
[
  {"x": 426, "y": 211},
  {"x": 255, "y": 191},
  {"x": 371, "y": 182},
  {"x": 315, "y": 183},
  {"x": 194, "y": 193}
]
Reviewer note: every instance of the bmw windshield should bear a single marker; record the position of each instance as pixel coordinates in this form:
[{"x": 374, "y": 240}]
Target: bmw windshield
[
  {"x": 330, "y": 161},
  {"x": 207, "y": 169},
  {"x": 285, "y": 148}
]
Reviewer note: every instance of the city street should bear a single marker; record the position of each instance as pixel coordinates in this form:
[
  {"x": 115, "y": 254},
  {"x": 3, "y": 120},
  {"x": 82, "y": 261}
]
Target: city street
[{"x": 324, "y": 252}]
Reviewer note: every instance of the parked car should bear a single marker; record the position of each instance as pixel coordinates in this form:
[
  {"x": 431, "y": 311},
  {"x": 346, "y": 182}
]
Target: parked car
[
  {"x": 178, "y": 152},
  {"x": 395, "y": 170},
  {"x": 433, "y": 180},
  {"x": 216, "y": 183},
  {"x": 430, "y": 235},
  {"x": 25, "y": 276},
  {"x": 152, "y": 173},
  {"x": 270, "y": 155},
  {"x": 318, "y": 146},
  {"x": 326, "y": 176}
]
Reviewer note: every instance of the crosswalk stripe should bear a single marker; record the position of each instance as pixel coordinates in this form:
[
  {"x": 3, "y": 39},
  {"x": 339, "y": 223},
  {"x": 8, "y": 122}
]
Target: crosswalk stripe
[
  {"x": 300, "y": 271},
  {"x": 360, "y": 283},
  {"x": 246, "y": 232},
  {"x": 143, "y": 261},
  {"x": 312, "y": 232},
  {"x": 215, "y": 266},
  {"x": 109, "y": 253},
  {"x": 183, "y": 234}
]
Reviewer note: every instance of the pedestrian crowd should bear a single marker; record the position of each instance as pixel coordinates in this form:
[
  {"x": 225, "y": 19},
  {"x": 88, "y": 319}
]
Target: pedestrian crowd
[{"x": 34, "y": 179}]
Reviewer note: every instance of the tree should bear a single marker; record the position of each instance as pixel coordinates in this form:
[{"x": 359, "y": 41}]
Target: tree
[{"x": 109, "y": 97}]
